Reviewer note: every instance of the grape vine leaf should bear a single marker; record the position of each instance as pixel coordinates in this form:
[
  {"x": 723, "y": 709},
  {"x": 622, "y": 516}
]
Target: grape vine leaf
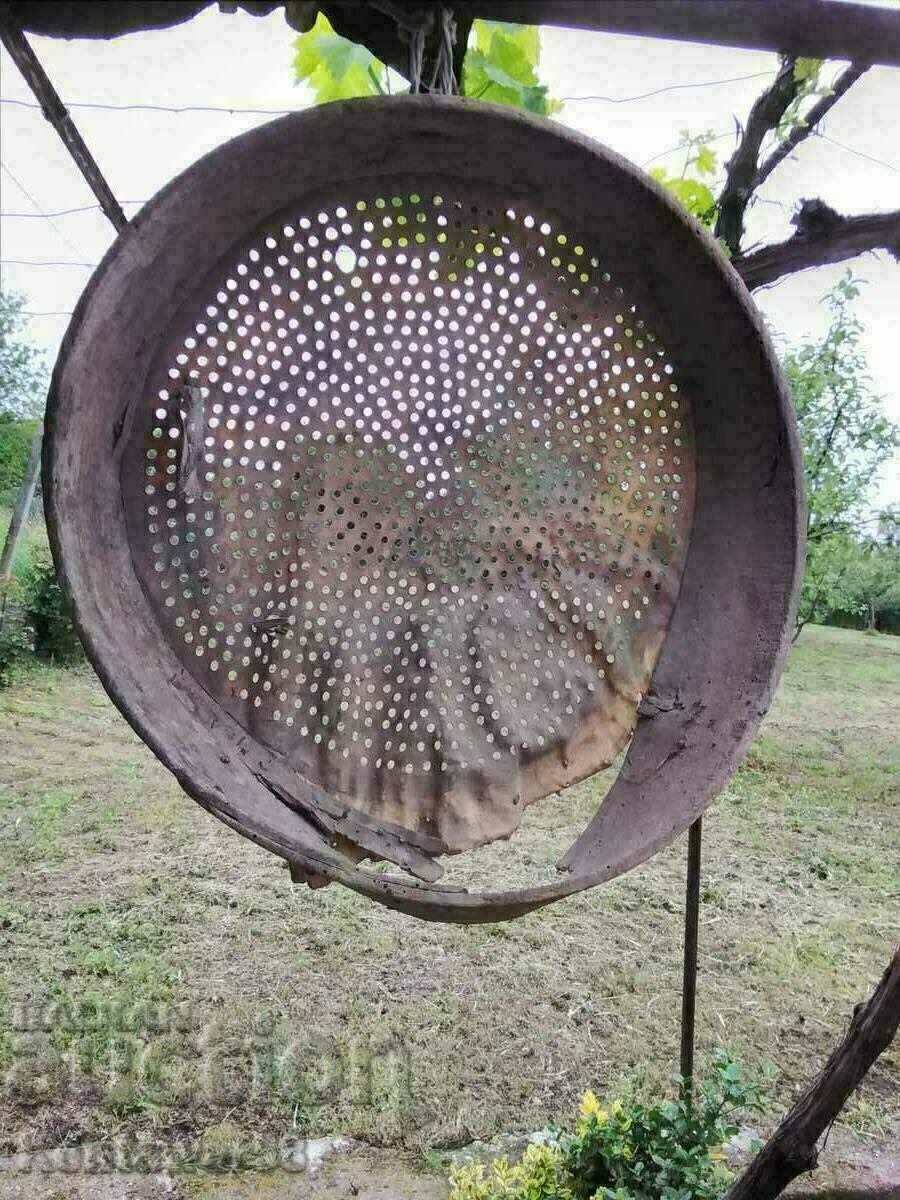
[
  {"x": 333, "y": 66},
  {"x": 501, "y": 66}
]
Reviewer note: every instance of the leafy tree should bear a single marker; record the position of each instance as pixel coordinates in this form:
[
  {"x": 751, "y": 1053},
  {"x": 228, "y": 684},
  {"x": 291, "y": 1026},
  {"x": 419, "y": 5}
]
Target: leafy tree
[
  {"x": 830, "y": 581},
  {"x": 846, "y": 438},
  {"x": 878, "y": 582},
  {"x": 16, "y": 437},
  {"x": 693, "y": 186},
  {"x": 501, "y": 65},
  {"x": 23, "y": 373},
  {"x": 854, "y": 581}
]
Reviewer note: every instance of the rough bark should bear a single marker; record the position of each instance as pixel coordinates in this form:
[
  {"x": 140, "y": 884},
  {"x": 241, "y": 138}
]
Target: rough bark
[
  {"x": 807, "y": 28},
  {"x": 792, "y": 1149},
  {"x": 813, "y": 118},
  {"x": 823, "y": 236},
  {"x": 743, "y": 166}
]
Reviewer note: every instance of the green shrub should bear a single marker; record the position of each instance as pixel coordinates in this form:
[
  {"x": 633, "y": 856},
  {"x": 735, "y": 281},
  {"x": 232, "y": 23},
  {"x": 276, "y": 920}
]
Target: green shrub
[
  {"x": 16, "y": 437},
  {"x": 48, "y": 615},
  {"x": 15, "y": 645},
  {"x": 539, "y": 1176},
  {"x": 671, "y": 1150},
  {"x": 37, "y": 622}
]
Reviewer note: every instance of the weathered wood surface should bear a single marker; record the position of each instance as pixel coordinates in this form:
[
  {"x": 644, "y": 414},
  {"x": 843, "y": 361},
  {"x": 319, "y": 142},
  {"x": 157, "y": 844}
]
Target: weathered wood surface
[
  {"x": 823, "y": 236},
  {"x": 809, "y": 28},
  {"x": 811, "y": 120},
  {"x": 792, "y": 1149}
]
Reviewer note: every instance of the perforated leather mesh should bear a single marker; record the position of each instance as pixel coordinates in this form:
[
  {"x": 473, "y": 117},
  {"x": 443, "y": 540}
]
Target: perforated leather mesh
[{"x": 410, "y": 492}]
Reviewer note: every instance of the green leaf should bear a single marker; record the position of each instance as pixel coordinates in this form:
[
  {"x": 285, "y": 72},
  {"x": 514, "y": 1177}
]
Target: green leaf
[
  {"x": 334, "y": 67},
  {"x": 501, "y": 67},
  {"x": 705, "y": 162},
  {"x": 691, "y": 193},
  {"x": 527, "y": 38},
  {"x": 807, "y": 69}
]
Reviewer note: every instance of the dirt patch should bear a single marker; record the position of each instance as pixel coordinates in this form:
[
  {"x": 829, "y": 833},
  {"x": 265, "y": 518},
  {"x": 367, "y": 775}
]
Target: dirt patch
[
  {"x": 360, "y": 1175},
  {"x": 850, "y": 1171}
]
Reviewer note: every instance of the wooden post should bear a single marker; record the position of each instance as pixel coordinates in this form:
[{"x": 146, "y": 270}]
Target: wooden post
[
  {"x": 691, "y": 947},
  {"x": 792, "y": 1148},
  {"x": 805, "y": 28},
  {"x": 19, "y": 516}
]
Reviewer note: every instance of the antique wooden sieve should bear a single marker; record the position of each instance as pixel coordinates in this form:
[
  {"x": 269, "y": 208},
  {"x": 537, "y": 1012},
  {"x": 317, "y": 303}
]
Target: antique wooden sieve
[{"x": 406, "y": 458}]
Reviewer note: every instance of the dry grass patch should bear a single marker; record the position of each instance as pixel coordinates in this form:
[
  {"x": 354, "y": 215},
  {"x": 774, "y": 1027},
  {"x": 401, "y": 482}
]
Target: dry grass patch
[{"x": 188, "y": 986}]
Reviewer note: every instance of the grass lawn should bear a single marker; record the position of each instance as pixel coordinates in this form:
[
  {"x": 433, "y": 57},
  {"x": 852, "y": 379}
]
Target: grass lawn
[{"x": 162, "y": 979}]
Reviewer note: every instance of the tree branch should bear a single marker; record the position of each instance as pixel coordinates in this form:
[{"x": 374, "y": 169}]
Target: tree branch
[
  {"x": 800, "y": 132},
  {"x": 743, "y": 165},
  {"x": 792, "y": 1148},
  {"x": 823, "y": 236}
]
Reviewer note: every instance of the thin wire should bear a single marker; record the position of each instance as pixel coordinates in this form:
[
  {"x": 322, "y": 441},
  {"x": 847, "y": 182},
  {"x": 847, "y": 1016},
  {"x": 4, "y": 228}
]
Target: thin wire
[
  {"x": 859, "y": 153},
  {"x": 26, "y": 313},
  {"x": 815, "y": 133},
  {"x": 65, "y": 212},
  {"x": 28, "y": 196},
  {"x": 717, "y": 137},
  {"x": 163, "y": 108},
  {"x": 674, "y": 87},
  {"x": 34, "y": 262},
  {"x": 283, "y": 112}
]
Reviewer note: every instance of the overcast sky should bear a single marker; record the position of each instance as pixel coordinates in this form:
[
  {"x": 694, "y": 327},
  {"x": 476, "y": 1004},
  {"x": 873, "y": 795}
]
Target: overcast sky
[{"x": 243, "y": 61}]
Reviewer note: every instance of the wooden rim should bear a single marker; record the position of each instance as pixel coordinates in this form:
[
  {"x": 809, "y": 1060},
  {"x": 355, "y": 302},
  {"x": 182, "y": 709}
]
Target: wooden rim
[{"x": 729, "y": 632}]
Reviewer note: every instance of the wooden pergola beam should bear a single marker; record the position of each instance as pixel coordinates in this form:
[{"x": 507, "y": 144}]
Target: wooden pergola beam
[{"x": 805, "y": 28}]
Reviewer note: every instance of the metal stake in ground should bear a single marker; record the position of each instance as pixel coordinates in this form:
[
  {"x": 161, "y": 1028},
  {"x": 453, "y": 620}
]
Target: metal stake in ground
[{"x": 691, "y": 940}]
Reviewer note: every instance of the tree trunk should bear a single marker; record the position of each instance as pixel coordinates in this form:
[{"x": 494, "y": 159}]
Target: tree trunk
[{"x": 792, "y": 1148}]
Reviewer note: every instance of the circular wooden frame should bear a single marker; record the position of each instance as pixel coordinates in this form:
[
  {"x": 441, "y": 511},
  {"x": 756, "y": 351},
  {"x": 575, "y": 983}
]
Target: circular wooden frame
[{"x": 728, "y": 634}]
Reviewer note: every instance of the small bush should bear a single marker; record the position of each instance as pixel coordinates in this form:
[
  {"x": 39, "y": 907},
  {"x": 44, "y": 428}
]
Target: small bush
[
  {"x": 671, "y": 1150},
  {"x": 37, "y": 622},
  {"x": 48, "y": 615},
  {"x": 15, "y": 645},
  {"x": 16, "y": 437}
]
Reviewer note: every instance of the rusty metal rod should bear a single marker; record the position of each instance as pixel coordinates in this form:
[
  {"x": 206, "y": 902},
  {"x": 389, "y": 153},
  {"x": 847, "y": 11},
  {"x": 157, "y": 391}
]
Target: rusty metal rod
[
  {"x": 691, "y": 943},
  {"x": 58, "y": 115}
]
